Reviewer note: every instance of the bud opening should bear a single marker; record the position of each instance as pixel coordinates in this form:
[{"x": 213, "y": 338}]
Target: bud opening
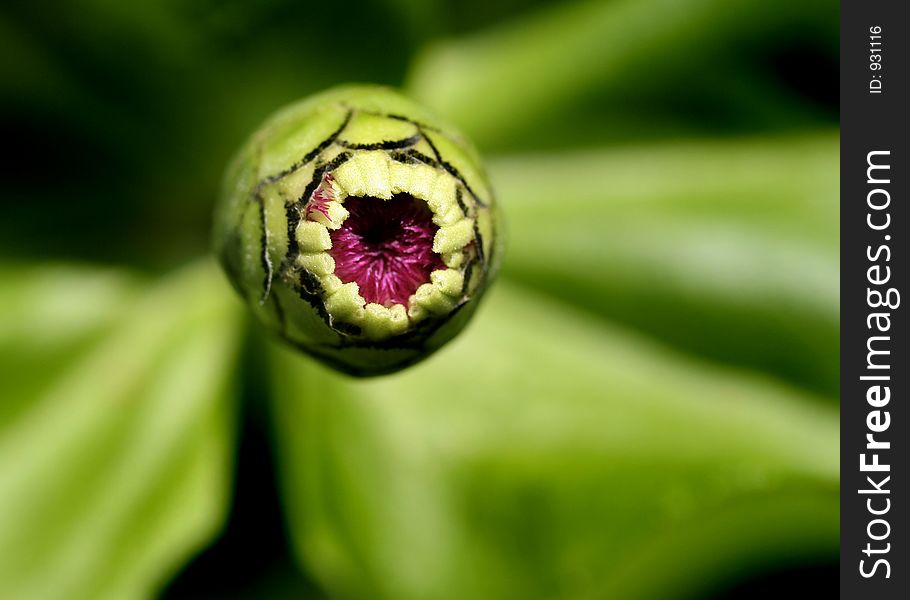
[{"x": 386, "y": 247}]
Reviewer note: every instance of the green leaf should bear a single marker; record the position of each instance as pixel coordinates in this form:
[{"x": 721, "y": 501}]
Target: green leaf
[
  {"x": 728, "y": 249},
  {"x": 549, "y": 455},
  {"x": 115, "y": 438},
  {"x": 566, "y": 66}
]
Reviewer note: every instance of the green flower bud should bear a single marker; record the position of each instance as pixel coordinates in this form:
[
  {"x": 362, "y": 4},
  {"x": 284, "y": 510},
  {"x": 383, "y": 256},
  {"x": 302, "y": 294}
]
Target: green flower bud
[{"x": 360, "y": 228}]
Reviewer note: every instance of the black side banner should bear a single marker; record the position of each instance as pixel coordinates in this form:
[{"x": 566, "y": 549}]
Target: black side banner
[{"x": 875, "y": 371}]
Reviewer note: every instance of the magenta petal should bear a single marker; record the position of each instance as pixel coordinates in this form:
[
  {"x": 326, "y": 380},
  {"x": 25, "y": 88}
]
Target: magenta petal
[{"x": 386, "y": 247}]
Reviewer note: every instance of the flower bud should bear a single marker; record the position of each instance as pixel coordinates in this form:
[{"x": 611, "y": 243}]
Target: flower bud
[{"x": 360, "y": 228}]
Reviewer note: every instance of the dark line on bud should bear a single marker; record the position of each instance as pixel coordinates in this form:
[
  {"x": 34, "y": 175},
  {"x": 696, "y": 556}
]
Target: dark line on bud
[
  {"x": 384, "y": 145},
  {"x": 479, "y": 240},
  {"x": 451, "y": 170},
  {"x": 309, "y": 288},
  {"x": 311, "y": 154},
  {"x": 294, "y": 210},
  {"x": 412, "y": 156},
  {"x": 413, "y": 339},
  {"x": 336, "y": 162},
  {"x": 264, "y": 258},
  {"x": 311, "y": 291},
  {"x": 467, "y": 278},
  {"x": 432, "y": 147},
  {"x": 454, "y": 173},
  {"x": 418, "y": 124},
  {"x": 459, "y": 198}
]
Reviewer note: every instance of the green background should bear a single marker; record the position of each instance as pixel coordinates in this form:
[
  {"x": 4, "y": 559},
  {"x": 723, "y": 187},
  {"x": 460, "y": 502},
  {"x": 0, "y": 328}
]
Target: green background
[{"x": 644, "y": 407}]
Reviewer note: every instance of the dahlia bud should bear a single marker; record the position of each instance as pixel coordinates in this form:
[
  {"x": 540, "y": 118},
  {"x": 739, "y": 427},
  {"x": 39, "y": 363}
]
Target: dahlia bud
[{"x": 360, "y": 228}]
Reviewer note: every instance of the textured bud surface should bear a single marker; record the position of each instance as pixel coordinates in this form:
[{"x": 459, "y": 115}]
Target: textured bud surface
[{"x": 360, "y": 228}]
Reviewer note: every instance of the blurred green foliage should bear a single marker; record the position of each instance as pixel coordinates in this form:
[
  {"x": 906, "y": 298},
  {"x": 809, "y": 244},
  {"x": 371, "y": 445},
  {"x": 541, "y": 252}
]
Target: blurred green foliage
[
  {"x": 548, "y": 456},
  {"x": 646, "y": 407},
  {"x": 739, "y": 238},
  {"x": 116, "y": 430}
]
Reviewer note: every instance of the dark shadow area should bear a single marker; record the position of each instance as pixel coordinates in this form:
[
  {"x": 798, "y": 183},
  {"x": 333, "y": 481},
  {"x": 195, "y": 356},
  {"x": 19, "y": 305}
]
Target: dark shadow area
[{"x": 811, "y": 581}]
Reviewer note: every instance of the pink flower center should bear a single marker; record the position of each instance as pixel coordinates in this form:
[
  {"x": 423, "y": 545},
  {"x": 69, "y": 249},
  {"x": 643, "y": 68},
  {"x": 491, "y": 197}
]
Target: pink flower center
[{"x": 386, "y": 247}]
